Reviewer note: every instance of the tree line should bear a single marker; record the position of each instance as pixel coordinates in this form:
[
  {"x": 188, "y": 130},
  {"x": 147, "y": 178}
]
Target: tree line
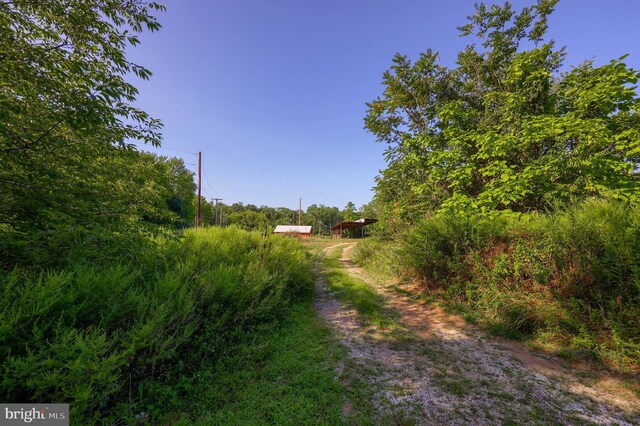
[{"x": 265, "y": 218}]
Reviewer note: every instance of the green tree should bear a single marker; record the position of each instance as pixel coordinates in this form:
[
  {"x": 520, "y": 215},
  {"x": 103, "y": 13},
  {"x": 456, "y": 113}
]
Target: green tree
[
  {"x": 322, "y": 218},
  {"x": 250, "y": 220},
  {"x": 349, "y": 212},
  {"x": 505, "y": 129},
  {"x": 176, "y": 189},
  {"x": 63, "y": 69},
  {"x": 66, "y": 119},
  {"x": 207, "y": 211},
  {"x": 370, "y": 210}
]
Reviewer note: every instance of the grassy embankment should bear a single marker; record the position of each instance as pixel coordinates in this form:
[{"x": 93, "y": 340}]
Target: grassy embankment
[
  {"x": 567, "y": 281},
  {"x": 216, "y": 327}
]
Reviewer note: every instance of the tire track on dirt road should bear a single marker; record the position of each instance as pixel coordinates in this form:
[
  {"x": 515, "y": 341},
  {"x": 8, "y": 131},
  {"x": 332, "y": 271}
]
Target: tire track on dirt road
[{"x": 435, "y": 369}]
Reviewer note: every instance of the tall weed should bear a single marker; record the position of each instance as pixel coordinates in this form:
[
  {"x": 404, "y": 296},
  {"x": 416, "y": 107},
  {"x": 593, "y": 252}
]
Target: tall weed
[
  {"x": 114, "y": 340},
  {"x": 573, "y": 274}
]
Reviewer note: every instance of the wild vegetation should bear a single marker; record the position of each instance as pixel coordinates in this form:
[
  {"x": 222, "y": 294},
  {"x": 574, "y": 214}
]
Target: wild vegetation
[
  {"x": 511, "y": 196},
  {"x": 134, "y": 338},
  {"x": 512, "y": 187},
  {"x": 106, "y": 302},
  {"x": 72, "y": 185},
  {"x": 567, "y": 280}
]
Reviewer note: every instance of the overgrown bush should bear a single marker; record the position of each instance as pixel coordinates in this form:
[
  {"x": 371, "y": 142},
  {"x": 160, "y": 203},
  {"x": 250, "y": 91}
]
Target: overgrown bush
[
  {"x": 120, "y": 341},
  {"x": 568, "y": 279},
  {"x": 380, "y": 255}
]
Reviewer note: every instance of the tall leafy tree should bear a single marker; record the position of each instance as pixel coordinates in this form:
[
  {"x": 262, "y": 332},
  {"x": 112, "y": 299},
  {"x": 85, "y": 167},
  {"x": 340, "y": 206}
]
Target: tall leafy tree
[
  {"x": 66, "y": 121},
  {"x": 322, "y": 218},
  {"x": 349, "y": 212},
  {"x": 175, "y": 199},
  {"x": 63, "y": 69},
  {"x": 505, "y": 129},
  {"x": 251, "y": 220},
  {"x": 207, "y": 211},
  {"x": 182, "y": 189}
]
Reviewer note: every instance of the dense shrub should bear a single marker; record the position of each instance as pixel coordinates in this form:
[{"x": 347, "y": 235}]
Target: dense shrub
[
  {"x": 115, "y": 341},
  {"x": 571, "y": 277},
  {"x": 380, "y": 255}
]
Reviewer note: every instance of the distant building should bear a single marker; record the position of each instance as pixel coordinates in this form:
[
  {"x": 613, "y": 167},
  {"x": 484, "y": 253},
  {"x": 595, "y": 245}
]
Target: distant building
[
  {"x": 300, "y": 231},
  {"x": 354, "y": 229}
]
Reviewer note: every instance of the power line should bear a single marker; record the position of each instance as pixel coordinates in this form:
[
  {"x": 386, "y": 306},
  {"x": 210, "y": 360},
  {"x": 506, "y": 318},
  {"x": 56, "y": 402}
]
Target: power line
[
  {"x": 176, "y": 150},
  {"x": 145, "y": 147},
  {"x": 206, "y": 179},
  {"x": 150, "y": 150}
]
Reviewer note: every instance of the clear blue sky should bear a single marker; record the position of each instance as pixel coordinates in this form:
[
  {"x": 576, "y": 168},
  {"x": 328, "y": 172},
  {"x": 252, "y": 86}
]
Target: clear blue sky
[{"x": 273, "y": 92}]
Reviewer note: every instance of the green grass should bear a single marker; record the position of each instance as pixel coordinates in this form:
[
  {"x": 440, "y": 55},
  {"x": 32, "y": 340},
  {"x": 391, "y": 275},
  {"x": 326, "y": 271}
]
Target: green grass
[
  {"x": 315, "y": 245},
  {"x": 287, "y": 374},
  {"x": 284, "y": 376},
  {"x": 459, "y": 387},
  {"x": 369, "y": 303},
  {"x": 283, "y": 373},
  {"x": 133, "y": 341}
]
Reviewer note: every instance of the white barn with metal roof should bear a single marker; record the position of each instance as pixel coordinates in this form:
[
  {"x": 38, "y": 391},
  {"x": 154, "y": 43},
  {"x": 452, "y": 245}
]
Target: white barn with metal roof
[{"x": 304, "y": 230}]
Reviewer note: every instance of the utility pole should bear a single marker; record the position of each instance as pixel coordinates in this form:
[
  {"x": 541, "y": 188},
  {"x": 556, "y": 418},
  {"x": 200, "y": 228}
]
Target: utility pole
[
  {"x": 215, "y": 220},
  {"x": 300, "y": 213},
  {"x": 199, "y": 187}
]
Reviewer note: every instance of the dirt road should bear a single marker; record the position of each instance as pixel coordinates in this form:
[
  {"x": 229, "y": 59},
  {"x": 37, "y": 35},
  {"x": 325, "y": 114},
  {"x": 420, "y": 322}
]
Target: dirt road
[{"x": 433, "y": 368}]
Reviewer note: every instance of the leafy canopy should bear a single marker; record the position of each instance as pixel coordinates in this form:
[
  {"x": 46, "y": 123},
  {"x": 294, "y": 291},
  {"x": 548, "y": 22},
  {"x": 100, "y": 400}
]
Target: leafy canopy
[
  {"x": 505, "y": 129},
  {"x": 63, "y": 68},
  {"x": 69, "y": 178}
]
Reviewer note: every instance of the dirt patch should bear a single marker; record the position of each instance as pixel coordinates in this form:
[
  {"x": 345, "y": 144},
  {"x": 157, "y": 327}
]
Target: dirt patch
[
  {"x": 434, "y": 368},
  {"x": 425, "y": 319}
]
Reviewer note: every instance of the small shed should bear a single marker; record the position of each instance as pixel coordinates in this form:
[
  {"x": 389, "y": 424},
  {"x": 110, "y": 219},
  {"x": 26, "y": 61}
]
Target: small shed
[
  {"x": 355, "y": 227},
  {"x": 297, "y": 230}
]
